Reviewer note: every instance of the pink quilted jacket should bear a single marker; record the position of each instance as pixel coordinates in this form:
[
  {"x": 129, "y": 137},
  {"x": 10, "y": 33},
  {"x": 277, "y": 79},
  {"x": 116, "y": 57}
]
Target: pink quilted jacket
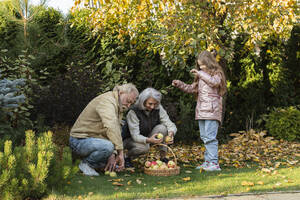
[{"x": 209, "y": 102}]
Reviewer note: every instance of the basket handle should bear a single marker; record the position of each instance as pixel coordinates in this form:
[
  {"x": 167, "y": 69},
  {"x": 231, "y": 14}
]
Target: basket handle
[{"x": 175, "y": 159}]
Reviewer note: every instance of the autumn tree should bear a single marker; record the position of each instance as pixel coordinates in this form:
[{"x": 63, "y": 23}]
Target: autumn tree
[{"x": 184, "y": 27}]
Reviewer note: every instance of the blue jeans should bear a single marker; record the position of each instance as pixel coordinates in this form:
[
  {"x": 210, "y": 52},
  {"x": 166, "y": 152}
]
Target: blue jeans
[
  {"x": 208, "y": 134},
  {"x": 94, "y": 151}
]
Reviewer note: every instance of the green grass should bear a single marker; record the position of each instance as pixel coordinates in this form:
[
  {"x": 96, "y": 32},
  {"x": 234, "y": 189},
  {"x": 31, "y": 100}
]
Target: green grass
[{"x": 228, "y": 181}]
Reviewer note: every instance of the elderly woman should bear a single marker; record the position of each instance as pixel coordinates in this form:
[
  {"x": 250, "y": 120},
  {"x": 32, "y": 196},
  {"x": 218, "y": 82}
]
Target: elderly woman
[{"x": 144, "y": 121}]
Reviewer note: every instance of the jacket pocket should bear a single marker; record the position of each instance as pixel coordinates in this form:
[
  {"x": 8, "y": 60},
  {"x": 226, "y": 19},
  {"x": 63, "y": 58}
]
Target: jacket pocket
[{"x": 206, "y": 106}]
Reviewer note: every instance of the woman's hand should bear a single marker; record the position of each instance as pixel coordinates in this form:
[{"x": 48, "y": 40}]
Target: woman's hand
[
  {"x": 154, "y": 140},
  {"x": 169, "y": 139}
]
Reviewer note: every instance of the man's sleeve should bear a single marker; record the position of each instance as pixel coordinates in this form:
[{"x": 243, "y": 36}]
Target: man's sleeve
[
  {"x": 107, "y": 111},
  {"x": 165, "y": 120},
  {"x": 134, "y": 127}
]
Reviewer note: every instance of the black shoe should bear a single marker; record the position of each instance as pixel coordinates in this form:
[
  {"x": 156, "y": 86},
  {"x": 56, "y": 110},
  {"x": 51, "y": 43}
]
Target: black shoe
[
  {"x": 165, "y": 160},
  {"x": 128, "y": 163}
]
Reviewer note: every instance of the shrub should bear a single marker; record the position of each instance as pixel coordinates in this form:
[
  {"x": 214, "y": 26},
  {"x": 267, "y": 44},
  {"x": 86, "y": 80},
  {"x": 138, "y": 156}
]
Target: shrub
[
  {"x": 67, "y": 95},
  {"x": 284, "y": 123},
  {"x": 30, "y": 171}
]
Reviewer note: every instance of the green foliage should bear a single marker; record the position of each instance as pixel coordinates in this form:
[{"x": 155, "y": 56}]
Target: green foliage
[
  {"x": 67, "y": 95},
  {"x": 32, "y": 170},
  {"x": 284, "y": 123},
  {"x": 188, "y": 129}
]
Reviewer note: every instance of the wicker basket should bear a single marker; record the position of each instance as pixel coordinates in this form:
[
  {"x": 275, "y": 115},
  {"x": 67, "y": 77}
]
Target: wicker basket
[{"x": 163, "y": 172}]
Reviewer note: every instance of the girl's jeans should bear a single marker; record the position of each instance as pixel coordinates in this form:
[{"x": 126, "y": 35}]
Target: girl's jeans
[
  {"x": 208, "y": 134},
  {"x": 94, "y": 151}
]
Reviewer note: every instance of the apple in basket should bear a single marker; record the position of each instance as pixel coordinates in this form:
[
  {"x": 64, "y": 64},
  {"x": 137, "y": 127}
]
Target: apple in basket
[
  {"x": 163, "y": 166},
  {"x": 159, "y": 163},
  {"x": 153, "y": 163},
  {"x": 147, "y": 164},
  {"x": 154, "y": 166},
  {"x": 171, "y": 164}
]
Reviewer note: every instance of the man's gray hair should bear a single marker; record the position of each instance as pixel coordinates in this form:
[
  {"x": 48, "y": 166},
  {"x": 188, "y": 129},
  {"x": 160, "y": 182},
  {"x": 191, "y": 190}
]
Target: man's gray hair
[
  {"x": 127, "y": 88},
  {"x": 146, "y": 94}
]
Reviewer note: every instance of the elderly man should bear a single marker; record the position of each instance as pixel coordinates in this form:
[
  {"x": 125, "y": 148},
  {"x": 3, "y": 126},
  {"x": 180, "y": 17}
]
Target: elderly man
[
  {"x": 144, "y": 121},
  {"x": 96, "y": 134}
]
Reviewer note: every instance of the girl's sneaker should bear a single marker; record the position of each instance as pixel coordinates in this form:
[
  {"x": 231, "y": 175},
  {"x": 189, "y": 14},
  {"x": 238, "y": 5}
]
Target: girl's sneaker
[
  {"x": 212, "y": 167},
  {"x": 205, "y": 164}
]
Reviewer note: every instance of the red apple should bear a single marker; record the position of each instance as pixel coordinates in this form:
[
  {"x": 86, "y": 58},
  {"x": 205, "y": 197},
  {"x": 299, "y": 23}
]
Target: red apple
[
  {"x": 153, "y": 163},
  {"x": 171, "y": 164},
  {"x": 147, "y": 164}
]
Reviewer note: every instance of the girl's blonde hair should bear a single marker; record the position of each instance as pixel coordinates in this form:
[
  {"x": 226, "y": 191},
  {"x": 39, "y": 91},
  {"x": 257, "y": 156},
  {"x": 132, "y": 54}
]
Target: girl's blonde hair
[{"x": 208, "y": 59}]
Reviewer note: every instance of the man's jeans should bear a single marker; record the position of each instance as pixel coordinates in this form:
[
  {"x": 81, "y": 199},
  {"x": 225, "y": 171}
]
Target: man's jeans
[
  {"x": 94, "y": 151},
  {"x": 208, "y": 134}
]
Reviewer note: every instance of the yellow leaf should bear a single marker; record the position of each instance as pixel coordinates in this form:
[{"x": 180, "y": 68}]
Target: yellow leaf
[
  {"x": 260, "y": 183},
  {"x": 186, "y": 178},
  {"x": 246, "y": 183},
  {"x": 117, "y": 184}
]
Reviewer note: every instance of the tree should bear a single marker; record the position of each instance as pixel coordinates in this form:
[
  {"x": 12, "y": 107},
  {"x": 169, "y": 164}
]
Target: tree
[
  {"x": 183, "y": 27},
  {"x": 24, "y": 13}
]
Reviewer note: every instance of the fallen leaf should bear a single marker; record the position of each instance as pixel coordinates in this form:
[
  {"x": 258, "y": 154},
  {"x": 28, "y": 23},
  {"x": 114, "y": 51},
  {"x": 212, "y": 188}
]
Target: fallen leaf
[
  {"x": 117, "y": 184},
  {"x": 117, "y": 180},
  {"x": 186, "y": 178},
  {"x": 188, "y": 172},
  {"x": 246, "y": 183},
  {"x": 260, "y": 183},
  {"x": 138, "y": 181}
]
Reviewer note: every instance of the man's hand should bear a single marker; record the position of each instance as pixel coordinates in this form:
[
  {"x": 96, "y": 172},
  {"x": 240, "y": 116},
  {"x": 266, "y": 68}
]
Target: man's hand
[
  {"x": 120, "y": 161},
  {"x": 154, "y": 140},
  {"x": 111, "y": 163}
]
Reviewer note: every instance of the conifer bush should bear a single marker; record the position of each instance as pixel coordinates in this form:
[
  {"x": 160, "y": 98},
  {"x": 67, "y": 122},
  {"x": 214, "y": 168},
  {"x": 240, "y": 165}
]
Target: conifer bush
[
  {"x": 284, "y": 123},
  {"x": 30, "y": 171}
]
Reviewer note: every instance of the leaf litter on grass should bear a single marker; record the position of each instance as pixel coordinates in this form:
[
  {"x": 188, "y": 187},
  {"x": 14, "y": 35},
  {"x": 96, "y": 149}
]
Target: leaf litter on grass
[{"x": 247, "y": 148}]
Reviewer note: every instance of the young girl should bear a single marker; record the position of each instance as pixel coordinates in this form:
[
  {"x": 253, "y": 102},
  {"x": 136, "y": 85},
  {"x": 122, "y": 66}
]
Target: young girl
[{"x": 209, "y": 85}]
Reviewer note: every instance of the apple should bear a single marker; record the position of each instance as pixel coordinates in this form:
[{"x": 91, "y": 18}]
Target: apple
[
  {"x": 171, "y": 164},
  {"x": 147, "y": 164},
  {"x": 112, "y": 174},
  {"x": 107, "y": 172},
  {"x": 159, "y": 163},
  {"x": 164, "y": 166},
  {"x": 153, "y": 163},
  {"x": 154, "y": 167},
  {"x": 168, "y": 139},
  {"x": 159, "y": 136}
]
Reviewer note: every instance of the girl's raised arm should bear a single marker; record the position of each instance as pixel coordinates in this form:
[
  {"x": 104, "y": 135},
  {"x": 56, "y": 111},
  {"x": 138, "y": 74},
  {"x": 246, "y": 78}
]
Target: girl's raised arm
[{"x": 188, "y": 88}]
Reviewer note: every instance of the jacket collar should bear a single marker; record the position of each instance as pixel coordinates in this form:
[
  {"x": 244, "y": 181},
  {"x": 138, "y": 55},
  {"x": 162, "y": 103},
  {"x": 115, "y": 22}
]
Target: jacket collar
[{"x": 117, "y": 97}]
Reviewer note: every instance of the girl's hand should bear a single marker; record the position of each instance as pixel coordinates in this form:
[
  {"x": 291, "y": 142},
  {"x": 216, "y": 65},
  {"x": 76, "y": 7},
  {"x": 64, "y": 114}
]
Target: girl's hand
[
  {"x": 175, "y": 83},
  {"x": 194, "y": 72}
]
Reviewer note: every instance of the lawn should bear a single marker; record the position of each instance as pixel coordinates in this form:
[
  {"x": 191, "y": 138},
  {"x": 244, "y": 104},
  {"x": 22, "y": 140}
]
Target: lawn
[{"x": 189, "y": 182}]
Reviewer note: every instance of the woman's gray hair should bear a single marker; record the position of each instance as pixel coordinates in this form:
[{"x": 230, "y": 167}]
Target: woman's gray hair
[{"x": 146, "y": 94}]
